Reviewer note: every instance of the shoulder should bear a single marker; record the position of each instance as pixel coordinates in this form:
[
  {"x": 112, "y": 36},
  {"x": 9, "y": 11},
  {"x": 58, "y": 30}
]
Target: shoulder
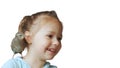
[
  {"x": 10, "y": 64},
  {"x": 15, "y": 63}
]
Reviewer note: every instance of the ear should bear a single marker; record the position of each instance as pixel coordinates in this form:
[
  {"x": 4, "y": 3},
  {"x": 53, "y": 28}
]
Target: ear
[{"x": 28, "y": 37}]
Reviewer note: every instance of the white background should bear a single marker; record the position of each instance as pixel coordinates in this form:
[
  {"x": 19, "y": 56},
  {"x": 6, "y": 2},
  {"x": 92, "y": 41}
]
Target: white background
[{"x": 91, "y": 30}]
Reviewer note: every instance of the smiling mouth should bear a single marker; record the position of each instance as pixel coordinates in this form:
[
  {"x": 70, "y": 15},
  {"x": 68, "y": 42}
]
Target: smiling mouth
[{"x": 52, "y": 50}]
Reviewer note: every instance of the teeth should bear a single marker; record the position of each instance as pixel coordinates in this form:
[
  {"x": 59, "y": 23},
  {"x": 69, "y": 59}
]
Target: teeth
[{"x": 51, "y": 49}]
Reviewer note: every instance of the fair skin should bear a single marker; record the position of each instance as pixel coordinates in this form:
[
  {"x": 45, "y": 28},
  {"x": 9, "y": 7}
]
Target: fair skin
[{"x": 45, "y": 41}]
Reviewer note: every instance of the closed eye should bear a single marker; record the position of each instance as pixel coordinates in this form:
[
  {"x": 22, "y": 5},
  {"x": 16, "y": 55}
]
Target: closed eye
[
  {"x": 50, "y": 36},
  {"x": 59, "y": 38}
]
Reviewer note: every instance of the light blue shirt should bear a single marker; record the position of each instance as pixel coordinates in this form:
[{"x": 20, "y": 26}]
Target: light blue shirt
[{"x": 18, "y": 62}]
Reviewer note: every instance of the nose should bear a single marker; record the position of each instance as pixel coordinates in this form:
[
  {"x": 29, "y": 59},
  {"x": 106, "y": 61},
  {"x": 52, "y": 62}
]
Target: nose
[{"x": 56, "y": 42}]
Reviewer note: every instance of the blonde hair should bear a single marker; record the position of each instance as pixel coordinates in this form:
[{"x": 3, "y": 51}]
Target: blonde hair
[{"x": 19, "y": 43}]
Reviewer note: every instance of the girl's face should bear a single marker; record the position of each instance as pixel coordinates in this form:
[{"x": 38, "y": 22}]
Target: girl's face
[{"x": 46, "y": 43}]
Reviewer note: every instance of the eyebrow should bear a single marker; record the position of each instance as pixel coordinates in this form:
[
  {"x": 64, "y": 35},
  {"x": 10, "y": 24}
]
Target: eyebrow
[
  {"x": 51, "y": 32},
  {"x": 54, "y": 32}
]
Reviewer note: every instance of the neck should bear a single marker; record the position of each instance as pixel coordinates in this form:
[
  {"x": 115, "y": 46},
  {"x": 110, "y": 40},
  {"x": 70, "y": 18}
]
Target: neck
[{"x": 34, "y": 61}]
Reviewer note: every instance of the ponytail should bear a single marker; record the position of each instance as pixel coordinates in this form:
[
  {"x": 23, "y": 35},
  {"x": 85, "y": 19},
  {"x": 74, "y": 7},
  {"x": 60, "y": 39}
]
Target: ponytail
[{"x": 25, "y": 24}]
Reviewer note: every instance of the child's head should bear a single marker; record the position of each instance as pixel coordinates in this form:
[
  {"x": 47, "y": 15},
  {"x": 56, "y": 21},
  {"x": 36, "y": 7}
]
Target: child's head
[{"x": 42, "y": 34}]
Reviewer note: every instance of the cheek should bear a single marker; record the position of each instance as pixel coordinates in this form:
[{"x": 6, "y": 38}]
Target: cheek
[
  {"x": 41, "y": 44},
  {"x": 59, "y": 47}
]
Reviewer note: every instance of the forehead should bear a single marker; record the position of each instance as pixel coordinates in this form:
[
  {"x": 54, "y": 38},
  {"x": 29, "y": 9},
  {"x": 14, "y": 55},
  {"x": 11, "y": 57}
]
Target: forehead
[
  {"x": 48, "y": 23},
  {"x": 51, "y": 24}
]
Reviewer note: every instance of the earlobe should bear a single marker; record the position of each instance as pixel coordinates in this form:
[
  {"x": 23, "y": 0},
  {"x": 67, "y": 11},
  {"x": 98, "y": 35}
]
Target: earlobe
[{"x": 28, "y": 37}]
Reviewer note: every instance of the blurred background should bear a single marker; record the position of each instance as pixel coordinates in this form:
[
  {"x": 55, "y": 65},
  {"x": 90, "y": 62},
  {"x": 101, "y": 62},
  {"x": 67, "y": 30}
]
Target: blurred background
[{"x": 91, "y": 36}]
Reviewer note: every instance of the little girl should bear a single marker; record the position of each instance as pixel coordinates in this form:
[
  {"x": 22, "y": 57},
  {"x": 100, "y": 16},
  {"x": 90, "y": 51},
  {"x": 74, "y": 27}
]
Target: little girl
[{"x": 41, "y": 34}]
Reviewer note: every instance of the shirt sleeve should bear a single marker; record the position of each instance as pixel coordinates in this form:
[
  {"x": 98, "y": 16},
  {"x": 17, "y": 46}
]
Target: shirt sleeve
[{"x": 10, "y": 64}]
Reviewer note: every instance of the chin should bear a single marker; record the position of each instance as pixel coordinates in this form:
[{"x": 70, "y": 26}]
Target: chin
[{"x": 49, "y": 57}]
